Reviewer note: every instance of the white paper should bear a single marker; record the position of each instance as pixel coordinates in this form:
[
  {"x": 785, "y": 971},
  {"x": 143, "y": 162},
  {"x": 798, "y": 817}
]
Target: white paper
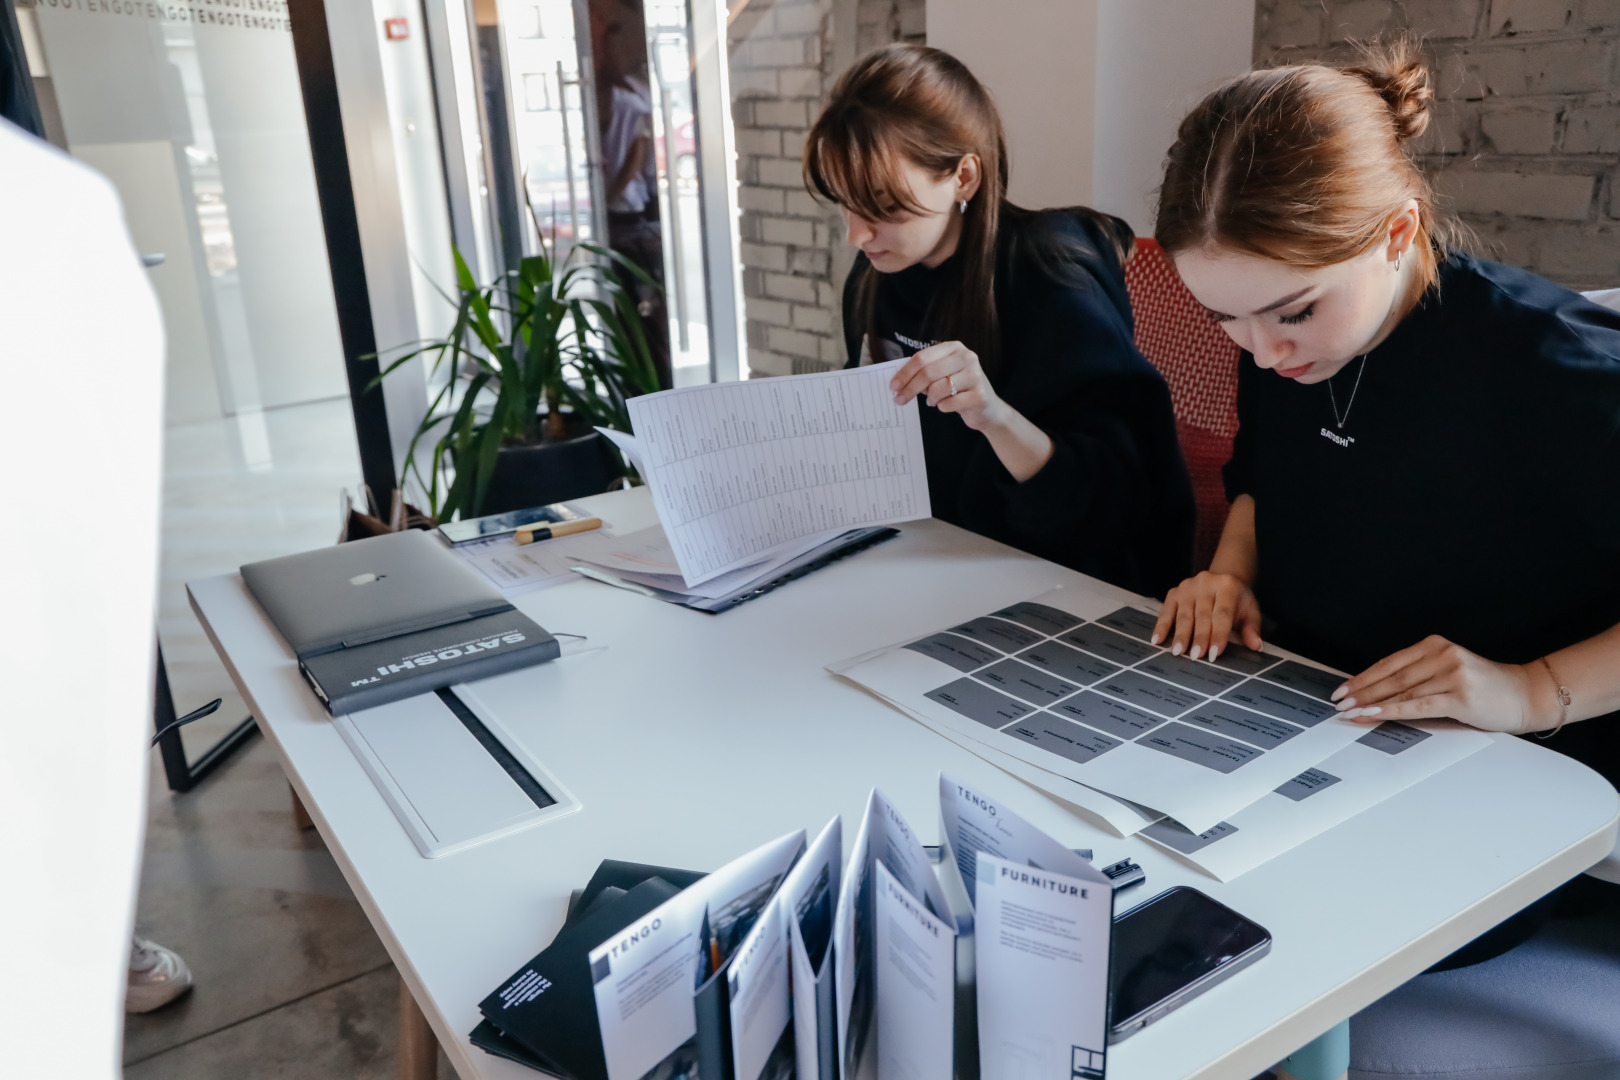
[
  {"x": 644, "y": 557},
  {"x": 743, "y": 470},
  {"x": 1041, "y": 957},
  {"x": 916, "y": 984},
  {"x": 886, "y": 837},
  {"x": 1117, "y": 726},
  {"x": 1356, "y": 778},
  {"x": 759, "y": 1000},
  {"x": 644, "y": 975},
  {"x": 809, "y": 896},
  {"x": 975, "y": 823},
  {"x": 517, "y": 568}
]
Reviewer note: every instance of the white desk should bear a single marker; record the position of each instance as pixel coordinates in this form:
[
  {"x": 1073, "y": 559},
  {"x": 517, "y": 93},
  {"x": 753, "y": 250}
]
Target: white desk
[{"x": 693, "y": 737}]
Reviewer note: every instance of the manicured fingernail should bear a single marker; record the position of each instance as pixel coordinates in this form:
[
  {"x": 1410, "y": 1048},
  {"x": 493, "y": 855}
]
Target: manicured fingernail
[
  {"x": 1197, "y": 650},
  {"x": 1372, "y": 710},
  {"x": 1340, "y": 692},
  {"x": 1175, "y": 650},
  {"x": 1153, "y": 639},
  {"x": 1213, "y": 653},
  {"x": 1347, "y": 704}
]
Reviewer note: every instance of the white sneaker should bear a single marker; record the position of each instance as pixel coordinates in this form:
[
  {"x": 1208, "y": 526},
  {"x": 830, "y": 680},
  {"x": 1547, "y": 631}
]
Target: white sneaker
[{"x": 156, "y": 976}]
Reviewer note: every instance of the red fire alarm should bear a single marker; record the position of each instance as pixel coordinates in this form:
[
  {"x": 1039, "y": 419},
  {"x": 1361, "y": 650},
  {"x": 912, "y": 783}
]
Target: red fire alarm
[{"x": 397, "y": 29}]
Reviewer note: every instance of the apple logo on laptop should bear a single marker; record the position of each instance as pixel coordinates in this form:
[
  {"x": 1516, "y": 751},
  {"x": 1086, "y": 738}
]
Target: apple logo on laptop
[{"x": 366, "y": 579}]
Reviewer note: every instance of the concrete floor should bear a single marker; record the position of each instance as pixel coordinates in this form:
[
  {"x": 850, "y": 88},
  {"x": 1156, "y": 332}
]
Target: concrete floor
[{"x": 290, "y": 979}]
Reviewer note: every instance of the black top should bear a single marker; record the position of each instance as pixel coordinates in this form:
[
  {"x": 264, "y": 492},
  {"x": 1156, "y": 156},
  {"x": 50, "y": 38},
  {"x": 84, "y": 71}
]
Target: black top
[
  {"x": 1114, "y": 500},
  {"x": 1473, "y": 491}
]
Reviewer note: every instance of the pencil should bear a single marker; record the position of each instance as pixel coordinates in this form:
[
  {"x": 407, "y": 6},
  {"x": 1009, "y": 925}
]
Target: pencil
[{"x": 530, "y": 533}]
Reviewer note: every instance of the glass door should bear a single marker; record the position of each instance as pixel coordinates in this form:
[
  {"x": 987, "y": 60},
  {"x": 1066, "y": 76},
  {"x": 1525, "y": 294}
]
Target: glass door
[{"x": 590, "y": 105}]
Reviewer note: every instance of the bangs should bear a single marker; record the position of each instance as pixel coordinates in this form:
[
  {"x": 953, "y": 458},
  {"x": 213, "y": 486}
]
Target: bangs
[{"x": 848, "y": 162}]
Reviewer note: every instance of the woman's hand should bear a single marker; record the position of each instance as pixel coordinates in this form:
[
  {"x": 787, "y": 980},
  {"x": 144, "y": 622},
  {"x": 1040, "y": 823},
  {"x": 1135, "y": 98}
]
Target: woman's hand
[
  {"x": 948, "y": 377},
  {"x": 1200, "y": 614},
  {"x": 1436, "y": 678}
]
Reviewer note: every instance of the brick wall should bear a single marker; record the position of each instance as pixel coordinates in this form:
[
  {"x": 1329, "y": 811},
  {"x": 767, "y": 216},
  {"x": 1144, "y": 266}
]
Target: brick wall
[
  {"x": 784, "y": 58},
  {"x": 1525, "y": 140}
]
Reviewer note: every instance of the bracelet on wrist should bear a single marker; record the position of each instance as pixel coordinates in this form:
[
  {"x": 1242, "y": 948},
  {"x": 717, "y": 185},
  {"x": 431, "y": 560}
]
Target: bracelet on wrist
[{"x": 1564, "y": 699}]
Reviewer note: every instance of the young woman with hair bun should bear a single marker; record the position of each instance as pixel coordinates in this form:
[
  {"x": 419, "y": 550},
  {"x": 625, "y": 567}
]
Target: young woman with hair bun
[
  {"x": 1426, "y": 479},
  {"x": 1046, "y": 429}
]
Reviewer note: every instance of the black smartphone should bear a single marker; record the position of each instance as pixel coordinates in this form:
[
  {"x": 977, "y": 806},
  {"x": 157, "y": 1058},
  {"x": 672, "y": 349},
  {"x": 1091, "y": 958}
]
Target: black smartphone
[{"x": 1171, "y": 948}]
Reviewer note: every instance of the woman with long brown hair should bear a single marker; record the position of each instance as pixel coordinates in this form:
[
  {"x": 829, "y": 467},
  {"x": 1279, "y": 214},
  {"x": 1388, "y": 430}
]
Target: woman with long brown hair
[{"x": 1046, "y": 429}]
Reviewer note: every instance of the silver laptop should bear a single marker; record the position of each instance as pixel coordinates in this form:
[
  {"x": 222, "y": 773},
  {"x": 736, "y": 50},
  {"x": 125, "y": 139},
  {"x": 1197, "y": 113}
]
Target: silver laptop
[{"x": 368, "y": 590}]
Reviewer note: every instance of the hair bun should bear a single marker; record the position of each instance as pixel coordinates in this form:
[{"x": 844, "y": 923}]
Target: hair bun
[{"x": 1398, "y": 73}]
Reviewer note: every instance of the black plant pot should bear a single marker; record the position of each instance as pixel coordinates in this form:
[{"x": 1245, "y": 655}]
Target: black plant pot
[{"x": 550, "y": 472}]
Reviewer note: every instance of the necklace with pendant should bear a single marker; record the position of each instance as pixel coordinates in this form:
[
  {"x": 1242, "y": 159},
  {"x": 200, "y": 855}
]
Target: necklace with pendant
[{"x": 1340, "y": 419}]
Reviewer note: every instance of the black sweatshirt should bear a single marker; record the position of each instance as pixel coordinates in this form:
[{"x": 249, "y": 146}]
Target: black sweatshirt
[
  {"x": 1473, "y": 491},
  {"x": 1114, "y": 500}
]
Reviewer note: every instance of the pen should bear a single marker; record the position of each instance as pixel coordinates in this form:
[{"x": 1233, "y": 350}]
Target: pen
[{"x": 530, "y": 533}]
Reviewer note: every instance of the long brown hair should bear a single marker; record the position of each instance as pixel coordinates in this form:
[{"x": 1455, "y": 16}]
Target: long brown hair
[
  {"x": 910, "y": 103},
  {"x": 1307, "y": 164}
]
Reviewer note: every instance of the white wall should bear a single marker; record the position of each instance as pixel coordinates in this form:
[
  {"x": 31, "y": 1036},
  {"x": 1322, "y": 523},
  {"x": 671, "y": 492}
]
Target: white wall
[
  {"x": 1035, "y": 58},
  {"x": 1156, "y": 59},
  {"x": 1091, "y": 91}
]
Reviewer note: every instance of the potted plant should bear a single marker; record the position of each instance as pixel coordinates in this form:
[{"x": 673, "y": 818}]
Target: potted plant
[{"x": 513, "y": 425}]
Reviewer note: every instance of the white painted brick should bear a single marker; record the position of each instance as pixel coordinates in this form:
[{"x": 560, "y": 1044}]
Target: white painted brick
[
  {"x": 818, "y": 320},
  {"x": 763, "y": 141},
  {"x": 810, "y": 263},
  {"x": 793, "y": 144},
  {"x": 1366, "y": 19},
  {"x": 804, "y": 204},
  {"x": 775, "y": 52},
  {"x": 763, "y": 364},
  {"x": 752, "y": 83},
  {"x": 760, "y": 200},
  {"x": 826, "y": 295},
  {"x": 1567, "y": 198},
  {"x": 1594, "y": 130},
  {"x": 781, "y": 114},
  {"x": 1580, "y": 255},
  {"x": 764, "y": 257},
  {"x": 800, "y": 82},
  {"x": 1528, "y": 16},
  {"x": 1596, "y": 14},
  {"x": 1561, "y": 67},
  {"x": 770, "y": 312},
  {"x": 799, "y": 19},
  {"x": 1286, "y": 25},
  {"x": 775, "y": 230},
  {"x": 834, "y": 352},
  {"x": 1523, "y": 130},
  {"x": 802, "y": 290},
  {"x": 795, "y": 343},
  {"x": 1450, "y": 123},
  {"x": 780, "y": 172}
]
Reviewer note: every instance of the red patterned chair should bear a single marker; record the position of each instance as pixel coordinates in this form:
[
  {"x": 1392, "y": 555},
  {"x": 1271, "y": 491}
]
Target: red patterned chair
[{"x": 1200, "y": 363}]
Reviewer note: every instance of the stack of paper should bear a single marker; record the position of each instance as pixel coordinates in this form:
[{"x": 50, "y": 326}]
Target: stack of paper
[
  {"x": 1244, "y": 756},
  {"x": 742, "y": 473},
  {"x": 646, "y": 558}
]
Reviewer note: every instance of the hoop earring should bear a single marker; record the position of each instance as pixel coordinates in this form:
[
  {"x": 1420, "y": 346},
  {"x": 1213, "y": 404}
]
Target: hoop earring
[{"x": 961, "y": 207}]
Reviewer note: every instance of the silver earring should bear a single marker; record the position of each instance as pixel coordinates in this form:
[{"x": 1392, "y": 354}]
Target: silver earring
[
  {"x": 1397, "y": 262},
  {"x": 961, "y": 207}
]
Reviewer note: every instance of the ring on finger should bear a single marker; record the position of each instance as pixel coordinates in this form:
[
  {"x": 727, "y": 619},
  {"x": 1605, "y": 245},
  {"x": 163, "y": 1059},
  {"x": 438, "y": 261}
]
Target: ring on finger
[{"x": 950, "y": 381}]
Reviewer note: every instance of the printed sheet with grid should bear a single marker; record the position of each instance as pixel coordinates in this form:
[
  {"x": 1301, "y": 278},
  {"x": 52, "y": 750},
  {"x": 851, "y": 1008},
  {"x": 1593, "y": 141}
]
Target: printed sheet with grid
[{"x": 1070, "y": 684}]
